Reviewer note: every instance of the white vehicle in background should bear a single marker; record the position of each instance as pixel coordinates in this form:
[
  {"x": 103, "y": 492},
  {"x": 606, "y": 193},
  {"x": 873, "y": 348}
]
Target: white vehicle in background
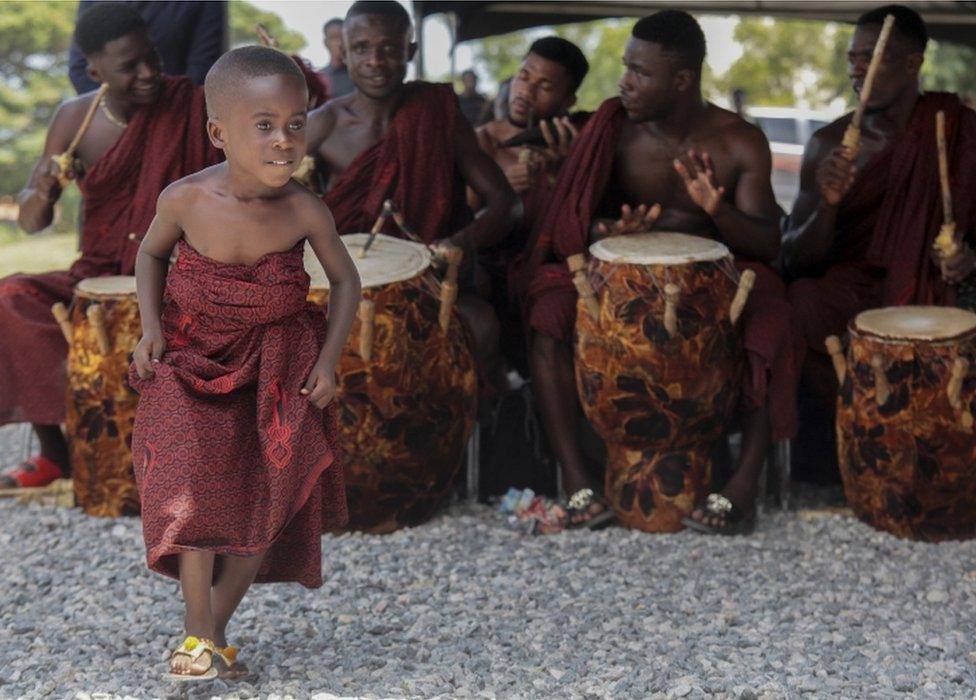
[{"x": 788, "y": 130}]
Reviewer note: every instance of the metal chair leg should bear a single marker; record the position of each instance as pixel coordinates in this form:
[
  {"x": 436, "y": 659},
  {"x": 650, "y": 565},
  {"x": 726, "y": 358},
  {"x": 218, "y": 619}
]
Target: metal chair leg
[{"x": 474, "y": 463}]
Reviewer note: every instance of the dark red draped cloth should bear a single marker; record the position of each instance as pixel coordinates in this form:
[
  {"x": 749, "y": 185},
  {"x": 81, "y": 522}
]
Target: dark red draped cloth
[
  {"x": 413, "y": 164},
  {"x": 162, "y": 143},
  {"x": 887, "y": 223},
  {"x": 549, "y": 297},
  {"x": 229, "y": 456}
]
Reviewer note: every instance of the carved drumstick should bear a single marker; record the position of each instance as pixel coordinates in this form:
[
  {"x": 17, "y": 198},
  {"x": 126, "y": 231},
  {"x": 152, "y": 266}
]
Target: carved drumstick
[
  {"x": 746, "y": 282},
  {"x": 836, "y": 352},
  {"x": 960, "y": 368},
  {"x": 265, "y": 36},
  {"x": 377, "y": 227},
  {"x": 671, "y": 294},
  {"x": 852, "y": 136},
  {"x": 583, "y": 286},
  {"x": 449, "y": 287},
  {"x": 96, "y": 316},
  {"x": 882, "y": 390},
  {"x": 60, "y": 313},
  {"x": 367, "y": 314},
  {"x": 62, "y": 161},
  {"x": 946, "y": 242}
]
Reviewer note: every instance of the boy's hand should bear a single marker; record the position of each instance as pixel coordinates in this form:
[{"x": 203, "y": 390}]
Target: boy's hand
[
  {"x": 148, "y": 352},
  {"x": 321, "y": 385}
]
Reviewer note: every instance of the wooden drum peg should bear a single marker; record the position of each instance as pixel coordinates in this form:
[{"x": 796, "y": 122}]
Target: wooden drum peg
[
  {"x": 672, "y": 293},
  {"x": 60, "y": 313},
  {"x": 836, "y": 353},
  {"x": 882, "y": 390},
  {"x": 96, "y": 316},
  {"x": 449, "y": 287},
  {"x": 367, "y": 315},
  {"x": 746, "y": 282},
  {"x": 960, "y": 369},
  {"x": 576, "y": 264}
]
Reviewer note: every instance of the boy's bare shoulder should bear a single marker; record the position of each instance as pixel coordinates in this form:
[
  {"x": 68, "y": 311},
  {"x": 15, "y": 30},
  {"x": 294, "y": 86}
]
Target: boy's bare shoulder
[
  {"x": 188, "y": 191},
  {"x": 305, "y": 203}
]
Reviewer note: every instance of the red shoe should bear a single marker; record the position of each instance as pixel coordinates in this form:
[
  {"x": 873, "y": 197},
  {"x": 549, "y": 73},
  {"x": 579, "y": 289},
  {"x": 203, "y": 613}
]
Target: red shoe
[{"x": 34, "y": 473}]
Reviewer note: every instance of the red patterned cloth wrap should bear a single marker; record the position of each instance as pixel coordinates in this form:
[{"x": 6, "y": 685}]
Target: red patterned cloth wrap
[
  {"x": 162, "y": 143},
  {"x": 405, "y": 415},
  {"x": 659, "y": 402},
  {"x": 413, "y": 164},
  {"x": 101, "y": 404},
  {"x": 229, "y": 456},
  {"x": 909, "y": 464}
]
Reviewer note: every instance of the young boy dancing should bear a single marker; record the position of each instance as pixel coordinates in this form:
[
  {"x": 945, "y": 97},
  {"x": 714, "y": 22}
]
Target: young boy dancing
[{"x": 234, "y": 441}]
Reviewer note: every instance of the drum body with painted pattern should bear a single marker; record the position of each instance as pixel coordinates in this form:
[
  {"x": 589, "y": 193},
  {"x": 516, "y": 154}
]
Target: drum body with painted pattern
[{"x": 406, "y": 388}]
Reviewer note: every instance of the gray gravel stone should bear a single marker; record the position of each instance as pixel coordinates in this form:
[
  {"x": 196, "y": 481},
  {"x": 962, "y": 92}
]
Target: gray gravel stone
[{"x": 463, "y": 607}]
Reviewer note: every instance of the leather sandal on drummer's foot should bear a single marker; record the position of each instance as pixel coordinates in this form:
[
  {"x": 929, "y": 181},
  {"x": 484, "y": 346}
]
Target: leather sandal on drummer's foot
[
  {"x": 232, "y": 670},
  {"x": 203, "y": 656},
  {"x": 732, "y": 520},
  {"x": 580, "y": 505},
  {"x": 36, "y": 472}
]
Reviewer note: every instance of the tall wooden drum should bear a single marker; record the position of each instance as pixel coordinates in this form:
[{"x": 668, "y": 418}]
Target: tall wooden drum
[
  {"x": 658, "y": 368},
  {"x": 105, "y": 329},
  {"x": 905, "y": 436},
  {"x": 407, "y": 387}
]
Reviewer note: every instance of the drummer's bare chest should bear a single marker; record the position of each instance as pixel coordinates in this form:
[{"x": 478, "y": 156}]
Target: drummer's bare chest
[
  {"x": 644, "y": 167},
  {"x": 97, "y": 141},
  {"x": 348, "y": 139}
]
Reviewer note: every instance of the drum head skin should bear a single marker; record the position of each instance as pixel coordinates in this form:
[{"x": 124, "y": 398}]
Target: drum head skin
[
  {"x": 931, "y": 323},
  {"x": 658, "y": 248},
  {"x": 110, "y": 287},
  {"x": 388, "y": 260}
]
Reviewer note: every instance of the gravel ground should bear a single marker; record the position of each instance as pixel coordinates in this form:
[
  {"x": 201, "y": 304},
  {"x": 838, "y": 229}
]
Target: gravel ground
[{"x": 813, "y": 604}]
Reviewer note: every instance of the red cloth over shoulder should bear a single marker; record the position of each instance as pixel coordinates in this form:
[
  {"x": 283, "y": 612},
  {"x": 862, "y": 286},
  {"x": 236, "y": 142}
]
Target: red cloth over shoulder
[
  {"x": 413, "y": 164},
  {"x": 162, "y": 143}
]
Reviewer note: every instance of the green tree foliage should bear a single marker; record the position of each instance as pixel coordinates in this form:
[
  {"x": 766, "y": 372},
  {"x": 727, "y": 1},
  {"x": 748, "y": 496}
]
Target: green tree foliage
[
  {"x": 950, "y": 67},
  {"x": 34, "y": 40},
  {"x": 245, "y": 16},
  {"x": 788, "y": 61}
]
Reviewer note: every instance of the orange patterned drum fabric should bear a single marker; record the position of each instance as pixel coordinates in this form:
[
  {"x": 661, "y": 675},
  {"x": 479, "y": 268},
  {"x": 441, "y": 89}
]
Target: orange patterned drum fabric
[
  {"x": 101, "y": 406},
  {"x": 909, "y": 464},
  {"x": 405, "y": 414},
  {"x": 659, "y": 401}
]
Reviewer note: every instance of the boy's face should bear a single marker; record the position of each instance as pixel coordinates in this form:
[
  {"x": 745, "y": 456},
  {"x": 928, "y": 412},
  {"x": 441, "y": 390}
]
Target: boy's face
[
  {"x": 131, "y": 67},
  {"x": 262, "y": 128}
]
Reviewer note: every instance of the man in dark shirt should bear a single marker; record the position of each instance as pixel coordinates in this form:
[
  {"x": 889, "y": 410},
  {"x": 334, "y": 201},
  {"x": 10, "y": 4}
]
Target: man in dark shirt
[
  {"x": 472, "y": 101},
  {"x": 189, "y": 36},
  {"x": 335, "y": 73}
]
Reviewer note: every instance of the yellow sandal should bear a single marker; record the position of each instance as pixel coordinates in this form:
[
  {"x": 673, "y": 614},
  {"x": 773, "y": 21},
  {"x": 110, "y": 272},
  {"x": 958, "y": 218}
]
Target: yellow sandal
[{"x": 200, "y": 669}]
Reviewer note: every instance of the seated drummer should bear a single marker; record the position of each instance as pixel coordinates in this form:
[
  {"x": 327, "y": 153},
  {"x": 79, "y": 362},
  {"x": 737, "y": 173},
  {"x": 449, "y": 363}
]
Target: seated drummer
[
  {"x": 865, "y": 227},
  {"x": 541, "y": 93},
  {"x": 676, "y": 163},
  {"x": 410, "y": 143},
  {"x": 148, "y": 132}
]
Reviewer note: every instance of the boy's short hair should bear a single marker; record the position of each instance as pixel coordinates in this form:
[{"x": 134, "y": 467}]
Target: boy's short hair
[
  {"x": 678, "y": 33},
  {"x": 908, "y": 23},
  {"x": 105, "y": 22},
  {"x": 335, "y": 21},
  {"x": 565, "y": 53},
  {"x": 229, "y": 72}
]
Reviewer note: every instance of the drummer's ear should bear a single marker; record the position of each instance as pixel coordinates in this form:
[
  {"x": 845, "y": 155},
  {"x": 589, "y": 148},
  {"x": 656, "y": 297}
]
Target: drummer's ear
[
  {"x": 216, "y": 133},
  {"x": 94, "y": 74}
]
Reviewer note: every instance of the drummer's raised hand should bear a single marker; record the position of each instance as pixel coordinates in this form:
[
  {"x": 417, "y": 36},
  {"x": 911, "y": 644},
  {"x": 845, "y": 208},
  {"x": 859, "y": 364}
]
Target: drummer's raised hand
[
  {"x": 558, "y": 144},
  {"x": 957, "y": 267},
  {"x": 698, "y": 173},
  {"x": 639, "y": 220},
  {"x": 148, "y": 353},
  {"x": 835, "y": 175}
]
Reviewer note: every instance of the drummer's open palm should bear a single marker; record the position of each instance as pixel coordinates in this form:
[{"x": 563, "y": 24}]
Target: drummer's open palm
[
  {"x": 639, "y": 220},
  {"x": 698, "y": 173}
]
